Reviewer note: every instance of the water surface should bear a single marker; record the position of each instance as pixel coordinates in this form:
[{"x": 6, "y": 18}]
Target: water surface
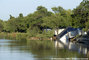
[{"x": 34, "y": 50}]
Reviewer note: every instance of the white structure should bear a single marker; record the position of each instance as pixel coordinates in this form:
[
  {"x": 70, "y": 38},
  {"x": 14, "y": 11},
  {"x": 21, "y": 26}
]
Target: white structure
[
  {"x": 72, "y": 33},
  {"x": 58, "y": 31},
  {"x": 78, "y": 47},
  {"x": 65, "y": 34},
  {"x": 79, "y": 32},
  {"x": 65, "y": 39}
]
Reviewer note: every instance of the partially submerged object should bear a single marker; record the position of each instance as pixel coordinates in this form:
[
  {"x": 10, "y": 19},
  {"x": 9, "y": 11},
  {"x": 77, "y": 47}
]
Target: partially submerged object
[{"x": 67, "y": 34}]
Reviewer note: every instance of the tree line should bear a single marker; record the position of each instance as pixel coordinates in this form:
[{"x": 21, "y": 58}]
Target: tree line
[{"x": 42, "y": 19}]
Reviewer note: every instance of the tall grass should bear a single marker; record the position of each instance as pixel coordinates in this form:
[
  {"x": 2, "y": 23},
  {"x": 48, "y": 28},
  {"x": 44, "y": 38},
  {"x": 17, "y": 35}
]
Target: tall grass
[
  {"x": 13, "y": 36},
  {"x": 27, "y": 36}
]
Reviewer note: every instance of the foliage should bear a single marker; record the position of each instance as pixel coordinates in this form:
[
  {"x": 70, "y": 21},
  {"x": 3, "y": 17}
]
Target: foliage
[
  {"x": 33, "y": 31},
  {"x": 81, "y": 14},
  {"x": 41, "y": 19},
  {"x": 1, "y": 25},
  {"x": 14, "y": 36}
]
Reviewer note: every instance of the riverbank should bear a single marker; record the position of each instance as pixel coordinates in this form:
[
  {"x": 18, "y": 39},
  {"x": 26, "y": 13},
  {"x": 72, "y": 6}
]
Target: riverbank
[{"x": 24, "y": 36}]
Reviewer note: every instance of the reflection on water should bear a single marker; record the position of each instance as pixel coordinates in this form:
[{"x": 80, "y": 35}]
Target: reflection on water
[
  {"x": 35, "y": 50},
  {"x": 80, "y": 48}
]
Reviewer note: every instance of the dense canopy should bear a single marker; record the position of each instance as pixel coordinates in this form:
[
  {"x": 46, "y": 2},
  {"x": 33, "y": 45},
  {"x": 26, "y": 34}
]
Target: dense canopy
[{"x": 42, "y": 18}]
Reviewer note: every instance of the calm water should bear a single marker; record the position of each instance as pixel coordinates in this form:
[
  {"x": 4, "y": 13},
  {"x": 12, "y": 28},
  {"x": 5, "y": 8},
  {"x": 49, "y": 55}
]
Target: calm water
[{"x": 34, "y": 50}]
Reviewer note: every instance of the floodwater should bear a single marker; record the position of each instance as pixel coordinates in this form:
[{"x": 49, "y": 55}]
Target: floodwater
[{"x": 36, "y": 50}]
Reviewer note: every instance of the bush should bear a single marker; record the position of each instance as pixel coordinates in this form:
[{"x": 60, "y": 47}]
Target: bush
[
  {"x": 32, "y": 32},
  {"x": 48, "y": 33},
  {"x": 21, "y": 36},
  {"x": 15, "y": 36}
]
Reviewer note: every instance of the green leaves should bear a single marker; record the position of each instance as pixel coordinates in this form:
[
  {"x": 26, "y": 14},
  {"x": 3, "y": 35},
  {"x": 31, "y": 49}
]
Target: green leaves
[
  {"x": 15, "y": 24},
  {"x": 42, "y": 18},
  {"x": 81, "y": 14},
  {"x": 1, "y": 25}
]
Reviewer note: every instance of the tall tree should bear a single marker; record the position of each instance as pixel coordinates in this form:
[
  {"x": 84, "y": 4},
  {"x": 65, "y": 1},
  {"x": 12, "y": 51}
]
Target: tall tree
[
  {"x": 81, "y": 14},
  {"x": 65, "y": 14},
  {"x": 35, "y": 19},
  {"x": 1, "y": 25}
]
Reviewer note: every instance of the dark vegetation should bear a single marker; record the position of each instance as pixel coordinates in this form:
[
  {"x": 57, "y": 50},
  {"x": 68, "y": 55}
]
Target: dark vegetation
[{"x": 33, "y": 24}]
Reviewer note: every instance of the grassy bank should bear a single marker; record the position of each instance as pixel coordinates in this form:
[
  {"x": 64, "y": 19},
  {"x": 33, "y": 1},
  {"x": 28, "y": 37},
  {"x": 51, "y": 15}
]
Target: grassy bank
[
  {"x": 26, "y": 36},
  {"x": 13, "y": 36}
]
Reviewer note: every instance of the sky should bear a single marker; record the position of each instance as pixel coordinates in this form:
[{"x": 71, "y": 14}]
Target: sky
[{"x": 14, "y": 7}]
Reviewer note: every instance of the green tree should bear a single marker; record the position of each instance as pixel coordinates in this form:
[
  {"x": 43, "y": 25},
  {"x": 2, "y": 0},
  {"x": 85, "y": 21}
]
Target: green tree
[
  {"x": 16, "y": 24},
  {"x": 11, "y": 17},
  {"x": 21, "y": 25},
  {"x": 11, "y": 25},
  {"x": 20, "y": 15},
  {"x": 81, "y": 14},
  {"x": 1, "y": 25},
  {"x": 52, "y": 21},
  {"x": 35, "y": 19},
  {"x": 65, "y": 16}
]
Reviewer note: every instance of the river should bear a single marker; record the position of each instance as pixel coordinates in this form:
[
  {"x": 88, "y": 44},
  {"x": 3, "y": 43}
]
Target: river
[{"x": 35, "y": 50}]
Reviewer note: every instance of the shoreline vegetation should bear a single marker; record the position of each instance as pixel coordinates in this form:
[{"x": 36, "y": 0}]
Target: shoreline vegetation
[
  {"x": 24, "y": 36},
  {"x": 36, "y": 25}
]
